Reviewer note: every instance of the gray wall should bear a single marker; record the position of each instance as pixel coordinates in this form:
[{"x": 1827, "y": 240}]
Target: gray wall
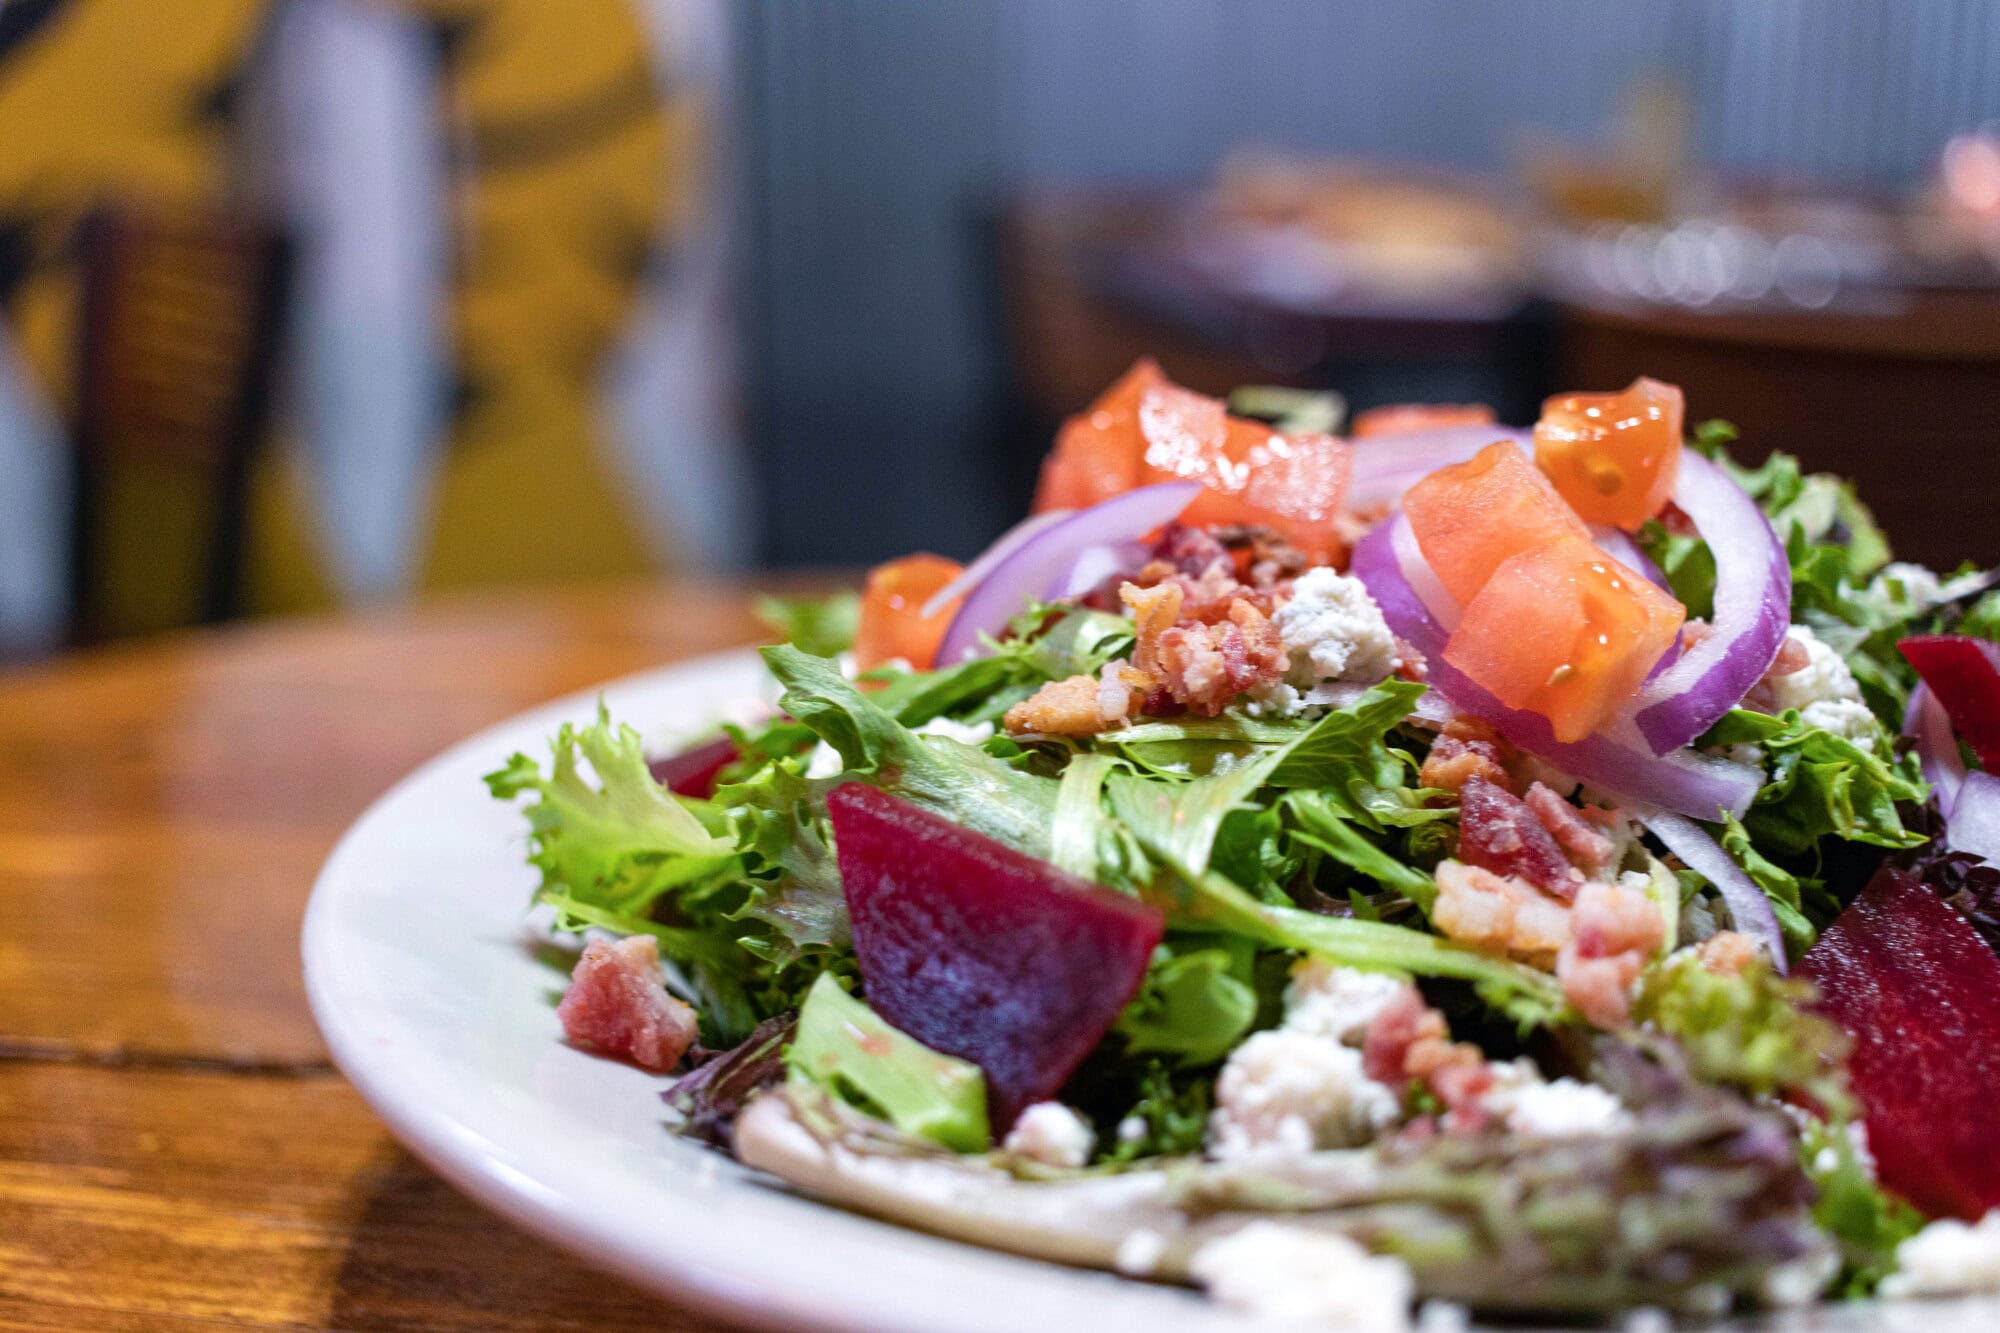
[{"x": 877, "y": 128}]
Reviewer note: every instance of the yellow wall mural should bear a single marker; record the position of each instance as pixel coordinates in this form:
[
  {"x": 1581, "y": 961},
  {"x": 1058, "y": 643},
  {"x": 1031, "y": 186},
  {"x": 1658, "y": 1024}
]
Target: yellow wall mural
[{"x": 569, "y": 165}]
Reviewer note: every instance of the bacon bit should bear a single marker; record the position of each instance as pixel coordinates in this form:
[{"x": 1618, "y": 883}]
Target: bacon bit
[
  {"x": 1499, "y": 913},
  {"x": 1205, "y": 666},
  {"x": 1465, "y": 749},
  {"x": 1409, "y": 1041},
  {"x": 616, "y": 1004},
  {"x": 1727, "y": 952},
  {"x": 1263, "y": 556},
  {"x": 1792, "y": 657},
  {"x": 1411, "y": 664},
  {"x": 1499, "y": 832},
  {"x": 1693, "y": 632},
  {"x": 1081, "y": 705},
  {"x": 1614, "y": 930},
  {"x": 1155, "y": 610},
  {"x": 1677, "y": 523},
  {"x": 1589, "y": 850}
]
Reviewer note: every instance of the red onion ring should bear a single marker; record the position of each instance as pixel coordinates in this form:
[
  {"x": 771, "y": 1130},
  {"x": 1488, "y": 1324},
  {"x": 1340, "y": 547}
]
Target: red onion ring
[
  {"x": 1974, "y": 823},
  {"x": 1753, "y": 609},
  {"x": 1385, "y": 466},
  {"x": 1682, "y": 781},
  {"x": 1040, "y": 566},
  {"x": 1749, "y": 910},
  {"x": 1003, "y": 546},
  {"x": 1937, "y": 746}
]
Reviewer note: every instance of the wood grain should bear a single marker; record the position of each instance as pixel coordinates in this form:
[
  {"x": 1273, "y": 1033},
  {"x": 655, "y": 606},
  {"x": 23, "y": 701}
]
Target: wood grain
[{"x": 175, "y": 1151}]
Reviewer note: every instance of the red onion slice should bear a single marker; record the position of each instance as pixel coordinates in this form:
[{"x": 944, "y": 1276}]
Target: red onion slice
[
  {"x": 1974, "y": 822},
  {"x": 1753, "y": 609},
  {"x": 1682, "y": 781},
  {"x": 1749, "y": 910},
  {"x": 1040, "y": 565},
  {"x": 1385, "y": 466},
  {"x": 1003, "y": 546},
  {"x": 1937, "y": 746}
]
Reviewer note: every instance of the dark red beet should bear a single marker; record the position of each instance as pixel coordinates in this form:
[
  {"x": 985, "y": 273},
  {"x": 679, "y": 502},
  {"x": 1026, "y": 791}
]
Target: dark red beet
[
  {"x": 1965, "y": 675},
  {"x": 1498, "y": 832},
  {"x": 1920, "y": 994},
  {"x": 693, "y": 771},
  {"x": 981, "y": 952}
]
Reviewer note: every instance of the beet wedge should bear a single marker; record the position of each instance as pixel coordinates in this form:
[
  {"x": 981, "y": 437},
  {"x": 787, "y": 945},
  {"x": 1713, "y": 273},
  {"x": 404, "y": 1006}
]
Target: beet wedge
[
  {"x": 981, "y": 952},
  {"x": 1919, "y": 992},
  {"x": 1964, "y": 674},
  {"x": 693, "y": 771}
]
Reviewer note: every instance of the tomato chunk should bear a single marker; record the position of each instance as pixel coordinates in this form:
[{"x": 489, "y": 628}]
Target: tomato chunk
[
  {"x": 1408, "y": 418},
  {"x": 1613, "y": 456},
  {"x": 893, "y": 623},
  {"x": 1471, "y": 516},
  {"x": 1098, "y": 450},
  {"x": 1147, "y": 429},
  {"x": 1564, "y": 630},
  {"x": 1964, "y": 673},
  {"x": 1294, "y": 484}
]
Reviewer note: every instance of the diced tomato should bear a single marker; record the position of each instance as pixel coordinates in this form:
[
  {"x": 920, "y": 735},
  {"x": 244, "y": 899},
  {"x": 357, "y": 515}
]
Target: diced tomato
[
  {"x": 1294, "y": 484},
  {"x": 1147, "y": 429},
  {"x": 1564, "y": 630},
  {"x": 1964, "y": 673},
  {"x": 1471, "y": 516},
  {"x": 1098, "y": 450},
  {"x": 1408, "y": 418},
  {"x": 1613, "y": 456},
  {"x": 893, "y": 623}
]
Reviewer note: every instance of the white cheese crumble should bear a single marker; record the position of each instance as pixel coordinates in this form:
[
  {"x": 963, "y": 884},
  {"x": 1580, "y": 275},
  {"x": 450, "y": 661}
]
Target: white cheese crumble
[
  {"x": 965, "y": 733},
  {"x": 1295, "y": 1092},
  {"x": 1823, "y": 679},
  {"x": 1564, "y": 1109},
  {"x": 1334, "y": 631},
  {"x": 1139, "y": 1253},
  {"x": 1800, "y": 1281},
  {"x": 1289, "y": 1274},
  {"x": 1052, "y": 1134},
  {"x": 1335, "y": 1002},
  {"x": 1948, "y": 1258},
  {"x": 1848, "y": 718},
  {"x": 824, "y": 762}
]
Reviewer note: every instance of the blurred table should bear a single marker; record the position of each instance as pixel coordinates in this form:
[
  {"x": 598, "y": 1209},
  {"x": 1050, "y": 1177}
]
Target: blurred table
[{"x": 175, "y": 1148}]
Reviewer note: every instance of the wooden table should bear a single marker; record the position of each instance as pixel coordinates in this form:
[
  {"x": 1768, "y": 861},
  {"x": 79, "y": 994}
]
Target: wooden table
[{"x": 176, "y": 1149}]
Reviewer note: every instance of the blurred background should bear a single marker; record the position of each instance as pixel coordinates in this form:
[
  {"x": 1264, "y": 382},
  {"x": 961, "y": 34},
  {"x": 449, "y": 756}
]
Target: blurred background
[{"x": 308, "y": 304}]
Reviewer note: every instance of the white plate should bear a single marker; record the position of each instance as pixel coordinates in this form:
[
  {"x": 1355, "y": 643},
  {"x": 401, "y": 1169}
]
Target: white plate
[{"x": 420, "y": 967}]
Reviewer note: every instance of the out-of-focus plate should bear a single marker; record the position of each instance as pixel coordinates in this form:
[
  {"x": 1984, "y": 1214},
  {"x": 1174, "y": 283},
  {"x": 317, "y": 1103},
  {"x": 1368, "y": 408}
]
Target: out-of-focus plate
[{"x": 422, "y": 971}]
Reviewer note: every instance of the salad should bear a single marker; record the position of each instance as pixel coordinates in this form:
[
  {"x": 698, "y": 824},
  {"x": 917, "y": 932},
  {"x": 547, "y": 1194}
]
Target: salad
[{"x": 1542, "y": 871}]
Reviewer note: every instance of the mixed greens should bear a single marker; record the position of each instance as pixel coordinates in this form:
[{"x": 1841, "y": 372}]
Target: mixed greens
[{"x": 1310, "y": 887}]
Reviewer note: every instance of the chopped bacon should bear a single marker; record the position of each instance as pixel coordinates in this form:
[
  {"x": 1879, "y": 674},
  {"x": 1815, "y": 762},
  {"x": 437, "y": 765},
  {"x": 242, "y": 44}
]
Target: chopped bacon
[
  {"x": 1155, "y": 610},
  {"x": 1190, "y": 551},
  {"x": 1081, "y": 705},
  {"x": 1465, "y": 749},
  {"x": 1499, "y": 832},
  {"x": 1793, "y": 657},
  {"x": 1499, "y": 913},
  {"x": 1205, "y": 666},
  {"x": 1264, "y": 557},
  {"x": 1727, "y": 952},
  {"x": 1409, "y": 1042},
  {"x": 1589, "y": 849},
  {"x": 1411, "y": 664},
  {"x": 1614, "y": 929},
  {"x": 616, "y": 1004}
]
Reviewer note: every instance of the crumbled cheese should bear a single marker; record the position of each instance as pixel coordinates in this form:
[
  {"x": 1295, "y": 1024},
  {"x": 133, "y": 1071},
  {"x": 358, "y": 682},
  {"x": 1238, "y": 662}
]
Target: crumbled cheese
[
  {"x": 1131, "y": 1129},
  {"x": 1334, "y": 631},
  {"x": 1277, "y": 699},
  {"x": 1294, "y": 1092},
  {"x": 1849, "y": 718},
  {"x": 1564, "y": 1109},
  {"x": 1139, "y": 1253},
  {"x": 1799, "y": 1282},
  {"x": 1052, "y": 1134},
  {"x": 1698, "y": 921},
  {"x": 824, "y": 762},
  {"x": 1435, "y": 1316},
  {"x": 1823, "y": 678},
  {"x": 1748, "y": 753},
  {"x": 1948, "y": 1258},
  {"x": 1335, "y": 1002},
  {"x": 1905, "y": 585},
  {"x": 965, "y": 733},
  {"x": 1292, "y": 1275}
]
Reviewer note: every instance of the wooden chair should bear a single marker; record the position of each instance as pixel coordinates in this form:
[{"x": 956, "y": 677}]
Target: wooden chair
[{"x": 178, "y": 329}]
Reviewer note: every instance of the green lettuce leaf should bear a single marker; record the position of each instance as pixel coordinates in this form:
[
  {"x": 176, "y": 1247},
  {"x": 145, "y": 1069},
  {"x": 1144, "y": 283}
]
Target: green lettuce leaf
[
  {"x": 821, "y": 626},
  {"x": 846, "y": 1050},
  {"x": 620, "y": 844},
  {"x": 1867, "y": 1222},
  {"x": 781, "y": 827},
  {"x": 1822, "y": 784},
  {"x": 1196, "y": 1003}
]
